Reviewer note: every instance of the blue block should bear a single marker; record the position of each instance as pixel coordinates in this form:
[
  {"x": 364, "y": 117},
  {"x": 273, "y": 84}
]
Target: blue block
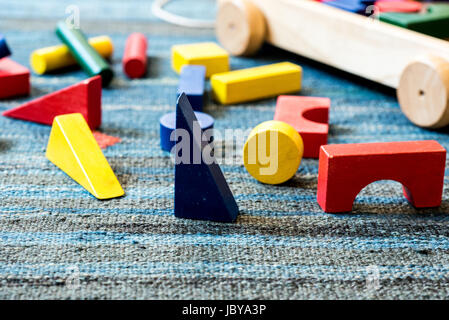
[
  {"x": 355, "y": 6},
  {"x": 201, "y": 190},
  {"x": 4, "y": 50},
  {"x": 192, "y": 80},
  {"x": 168, "y": 124}
]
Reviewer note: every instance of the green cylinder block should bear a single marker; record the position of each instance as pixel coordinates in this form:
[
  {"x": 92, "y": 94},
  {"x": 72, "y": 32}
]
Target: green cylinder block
[{"x": 84, "y": 53}]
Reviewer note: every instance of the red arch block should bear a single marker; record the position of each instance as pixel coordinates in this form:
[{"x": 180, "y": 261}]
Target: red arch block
[
  {"x": 309, "y": 116},
  {"x": 345, "y": 169}
]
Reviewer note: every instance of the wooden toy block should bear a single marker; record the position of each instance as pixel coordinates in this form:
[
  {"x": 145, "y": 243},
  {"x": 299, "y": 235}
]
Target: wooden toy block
[
  {"x": 14, "y": 79},
  {"x": 201, "y": 190},
  {"x": 256, "y": 83},
  {"x": 104, "y": 141},
  {"x": 399, "y": 6},
  {"x": 345, "y": 169},
  {"x": 83, "y": 97},
  {"x": 92, "y": 63},
  {"x": 4, "y": 49},
  {"x": 135, "y": 57},
  {"x": 207, "y": 54},
  {"x": 347, "y": 5},
  {"x": 341, "y": 39},
  {"x": 433, "y": 20},
  {"x": 58, "y": 57},
  {"x": 309, "y": 116},
  {"x": 192, "y": 82},
  {"x": 168, "y": 125},
  {"x": 73, "y": 149},
  {"x": 273, "y": 152}
]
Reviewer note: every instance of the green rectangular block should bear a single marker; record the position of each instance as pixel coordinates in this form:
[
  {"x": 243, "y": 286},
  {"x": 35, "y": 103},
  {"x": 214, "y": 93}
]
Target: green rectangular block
[{"x": 433, "y": 21}]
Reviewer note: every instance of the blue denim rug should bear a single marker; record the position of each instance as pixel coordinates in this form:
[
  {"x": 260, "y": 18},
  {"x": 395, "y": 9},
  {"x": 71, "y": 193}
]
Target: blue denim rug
[{"x": 57, "y": 241}]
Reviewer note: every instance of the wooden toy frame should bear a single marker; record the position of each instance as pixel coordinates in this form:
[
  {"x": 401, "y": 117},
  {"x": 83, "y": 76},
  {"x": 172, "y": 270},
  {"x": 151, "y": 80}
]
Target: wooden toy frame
[{"x": 415, "y": 64}]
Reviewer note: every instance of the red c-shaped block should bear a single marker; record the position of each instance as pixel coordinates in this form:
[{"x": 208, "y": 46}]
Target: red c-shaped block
[
  {"x": 345, "y": 169},
  {"x": 309, "y": 116}
]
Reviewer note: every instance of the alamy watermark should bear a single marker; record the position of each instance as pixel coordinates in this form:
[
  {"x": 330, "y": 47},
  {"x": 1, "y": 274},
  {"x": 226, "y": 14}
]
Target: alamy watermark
[
  {"x": 199, "y": 147},
  {"x": 372, "y": 279},
  {"x": 73, "y": 20},
  {"x": 372, "y": 12},
  {"x": 72, "y": 281}
]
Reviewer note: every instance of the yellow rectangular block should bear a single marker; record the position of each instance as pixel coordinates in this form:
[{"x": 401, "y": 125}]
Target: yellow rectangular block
[
  {"x": 256, "y": 83},
  {"x": 208, "y": 54},
  {"x": 73, "y": 148}
]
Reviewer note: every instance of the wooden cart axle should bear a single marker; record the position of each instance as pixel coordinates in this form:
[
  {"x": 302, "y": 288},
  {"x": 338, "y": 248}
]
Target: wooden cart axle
[{"x": 415, "y": 64}]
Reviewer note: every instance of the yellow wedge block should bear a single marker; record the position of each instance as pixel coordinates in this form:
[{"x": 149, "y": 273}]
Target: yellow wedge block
[
  {"x": 56, "y": 57},
  {"x": 256, "y": 83},
  {"x": 208, "y": 54},
  {"x": 72, "y": 148}
]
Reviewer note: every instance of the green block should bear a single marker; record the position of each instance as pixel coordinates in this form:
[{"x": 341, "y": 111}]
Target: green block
[
  {"x": 84, "y": 53},
  {"x": 433, "y": 21}
]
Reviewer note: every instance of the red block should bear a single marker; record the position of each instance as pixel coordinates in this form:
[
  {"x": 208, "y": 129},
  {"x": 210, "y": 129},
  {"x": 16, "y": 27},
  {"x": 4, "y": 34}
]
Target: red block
[
  {"x": 135, "y": 56},
  {"x": 399, "y": 6},
  {"x": 83, "y": 97},
  {"x": 14, "y": 79},
  {"x": 104, "y": 141},
  {"x": 345, "y": 169},
  {"x": 309, "y": 116}
]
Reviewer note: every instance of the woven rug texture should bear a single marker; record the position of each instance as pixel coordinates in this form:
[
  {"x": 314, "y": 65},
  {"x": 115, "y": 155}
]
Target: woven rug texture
[{"x": 59, "y": 242}]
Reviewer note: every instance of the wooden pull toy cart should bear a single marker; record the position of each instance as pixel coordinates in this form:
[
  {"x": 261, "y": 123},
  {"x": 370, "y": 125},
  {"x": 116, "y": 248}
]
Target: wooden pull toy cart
[{"x": 415, "y": 64}]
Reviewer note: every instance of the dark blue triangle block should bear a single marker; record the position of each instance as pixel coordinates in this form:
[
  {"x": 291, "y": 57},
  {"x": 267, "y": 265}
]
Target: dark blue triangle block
[
  {"x": 4, "y": 50},
  {"x": 201, "y": 190}
]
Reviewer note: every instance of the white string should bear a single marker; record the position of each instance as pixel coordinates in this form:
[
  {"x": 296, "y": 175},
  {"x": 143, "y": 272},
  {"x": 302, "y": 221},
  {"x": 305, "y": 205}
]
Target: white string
[{"x": 161, "y": 13}]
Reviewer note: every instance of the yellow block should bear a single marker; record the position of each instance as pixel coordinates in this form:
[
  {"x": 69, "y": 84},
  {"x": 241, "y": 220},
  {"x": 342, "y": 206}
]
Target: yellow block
[
  {"x": 72, "y": 148},
  {"x": 273, "y": 152},
  {"x": 208, "y": 54},
  {"x": 57, "y": 57},
  {"x": 256, "y": 83}
]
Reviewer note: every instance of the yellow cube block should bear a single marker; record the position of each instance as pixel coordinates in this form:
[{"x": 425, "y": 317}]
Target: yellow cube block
[
  {"x": 208, "y": 54},
  {"x": 256, "y": 83}
]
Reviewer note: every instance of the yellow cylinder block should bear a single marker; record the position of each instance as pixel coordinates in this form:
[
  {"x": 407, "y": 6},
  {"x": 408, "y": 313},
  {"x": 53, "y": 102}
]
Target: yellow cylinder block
[
  {"x": 56, "y": 57},
  {"x": 273, "y": 152}
]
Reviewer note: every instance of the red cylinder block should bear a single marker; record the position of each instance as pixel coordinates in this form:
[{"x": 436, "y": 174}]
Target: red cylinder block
[{"x": 135, "y": 56}]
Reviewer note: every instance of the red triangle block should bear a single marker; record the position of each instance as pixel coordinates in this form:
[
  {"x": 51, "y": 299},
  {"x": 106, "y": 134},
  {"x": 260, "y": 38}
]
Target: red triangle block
[
  {"x": 83, "y": 97},
  {"x": 14, "y": 79}
]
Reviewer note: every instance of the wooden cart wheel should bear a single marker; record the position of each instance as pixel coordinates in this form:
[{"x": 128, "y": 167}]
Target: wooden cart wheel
[
  {"x": 240, "y": 27},
  {"x": 423, "y": 92}
]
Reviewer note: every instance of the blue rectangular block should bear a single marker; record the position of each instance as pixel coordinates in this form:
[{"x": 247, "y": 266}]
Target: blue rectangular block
[
  {"x": 355, "y": 6},
  {"x": 191, "y": 82}
]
